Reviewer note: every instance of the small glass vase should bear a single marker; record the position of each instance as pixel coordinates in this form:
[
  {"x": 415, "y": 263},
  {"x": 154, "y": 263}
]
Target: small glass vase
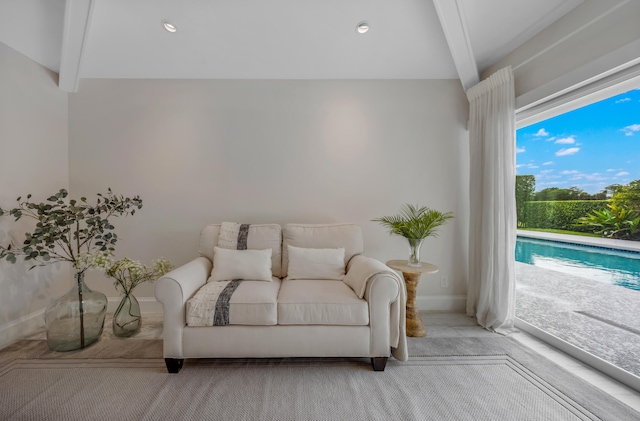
[
  {"x": 414, "y": 252},
  {"x": 75, "y": 320},
  {"x": 127, "y": 318}
]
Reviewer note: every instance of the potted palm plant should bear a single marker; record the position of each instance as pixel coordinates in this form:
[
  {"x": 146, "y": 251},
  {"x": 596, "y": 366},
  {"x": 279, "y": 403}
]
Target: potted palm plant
[
  {"x": 80, "y": 233},
  {"x": 415, "y": 224}
]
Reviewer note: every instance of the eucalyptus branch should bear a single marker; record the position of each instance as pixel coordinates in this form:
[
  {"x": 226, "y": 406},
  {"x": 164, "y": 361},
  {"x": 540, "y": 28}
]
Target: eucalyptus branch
[{"x": 68, "y": 230}]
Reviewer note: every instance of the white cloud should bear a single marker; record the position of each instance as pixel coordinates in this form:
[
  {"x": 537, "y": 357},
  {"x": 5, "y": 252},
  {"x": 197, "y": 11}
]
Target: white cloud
[
  {"x": 548, "y": 163},
  {"x": 545, "y": 171},
  {"x": 566, "y": 141},
  {"x": 567, "y": 151},
  {"x": 533, "y": 166},
  {"x": 577, "y": 175},
  {"x": 614, "y": 169},
  {"x": 551, "y": 138},
  {"x": 622, "y": 174},
  {"x": 630, "y": 130},
  {"x": 551, "y": 183},
  {"x": 595, "y": 176},
  {"x": 541, "y": 133},
  {"x": 519, "y": 165},
  {"x": 623, "y": 100},
  {"x": 520, "y": 150}
]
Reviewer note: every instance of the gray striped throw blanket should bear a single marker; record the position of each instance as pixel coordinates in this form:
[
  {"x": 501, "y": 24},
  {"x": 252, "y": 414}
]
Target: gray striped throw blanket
[{"x": 210, "y": 306}]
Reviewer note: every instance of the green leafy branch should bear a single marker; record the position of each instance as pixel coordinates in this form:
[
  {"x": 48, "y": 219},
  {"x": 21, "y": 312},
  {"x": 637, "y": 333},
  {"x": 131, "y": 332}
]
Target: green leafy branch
[{"x": 68, "y": 230}]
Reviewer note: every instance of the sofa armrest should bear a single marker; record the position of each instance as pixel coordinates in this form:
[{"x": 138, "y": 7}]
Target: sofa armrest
[
  {"x": 173, "y": 290},
  {"x": 380, "y": 287},
  {"x": 381, "y": 291},
  {"x": 360, "y": 272}
]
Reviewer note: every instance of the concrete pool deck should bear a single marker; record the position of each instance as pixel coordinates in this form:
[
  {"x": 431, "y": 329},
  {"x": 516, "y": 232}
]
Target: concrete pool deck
[{"x": 602, "y": 319}]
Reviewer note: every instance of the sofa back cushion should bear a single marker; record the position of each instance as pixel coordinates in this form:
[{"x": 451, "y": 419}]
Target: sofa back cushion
[
  {"x": 348, "y": 236},
  {"x": 309, "y": 263},
  {"x": 260, "y": 237}
]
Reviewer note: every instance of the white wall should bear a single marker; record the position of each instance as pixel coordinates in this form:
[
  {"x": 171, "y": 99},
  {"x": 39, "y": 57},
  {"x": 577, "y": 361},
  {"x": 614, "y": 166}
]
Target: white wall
[
  {"x": 33, "y": 159},
  {"x": 201, "y": 152}
]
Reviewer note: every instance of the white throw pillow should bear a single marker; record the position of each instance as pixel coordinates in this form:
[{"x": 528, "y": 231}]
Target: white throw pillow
[
  {"x": 254, "y": 265},
  {"x": 308, "y": 263}
]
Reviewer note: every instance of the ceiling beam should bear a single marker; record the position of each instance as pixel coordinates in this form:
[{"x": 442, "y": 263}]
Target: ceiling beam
[
  {"x": 454, "y": 25},
  {"x": 77, "y": 19}
]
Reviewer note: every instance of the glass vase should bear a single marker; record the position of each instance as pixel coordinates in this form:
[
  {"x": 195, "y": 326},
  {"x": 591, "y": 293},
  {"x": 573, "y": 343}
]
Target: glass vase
[
  {"x": 76, "y": 319},
  {"x": 127, "y": 318},
  {"x": 414, "y": 252}
]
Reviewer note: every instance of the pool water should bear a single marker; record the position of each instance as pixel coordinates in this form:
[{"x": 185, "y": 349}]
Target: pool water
[{"x": 615, "y": 267}]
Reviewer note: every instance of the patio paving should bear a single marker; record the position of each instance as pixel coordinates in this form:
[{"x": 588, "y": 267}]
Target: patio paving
[{"x": 602, "y": 319}]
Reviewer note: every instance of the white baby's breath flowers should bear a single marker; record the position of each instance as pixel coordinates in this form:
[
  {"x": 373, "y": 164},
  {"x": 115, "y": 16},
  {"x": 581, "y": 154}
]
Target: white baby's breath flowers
[
  {"x": 127, "y": 273},
  {"x": 101, "y": 260},
  {"x": 163, "y": 265}
]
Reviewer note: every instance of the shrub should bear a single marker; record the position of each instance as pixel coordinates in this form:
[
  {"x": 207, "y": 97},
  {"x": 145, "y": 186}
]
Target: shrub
[
  {"x": 560, "y": 214},
  {"x": 614, "y": 222},
  {"x": 627, "y": 196}
]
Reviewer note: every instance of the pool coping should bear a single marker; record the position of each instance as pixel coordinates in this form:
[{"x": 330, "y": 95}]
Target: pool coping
[{"x": 579, "y": 239}]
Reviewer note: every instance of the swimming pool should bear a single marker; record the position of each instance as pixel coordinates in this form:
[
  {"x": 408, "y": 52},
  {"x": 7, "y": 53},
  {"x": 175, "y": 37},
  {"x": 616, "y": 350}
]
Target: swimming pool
[{"x": 615, "y": 267}]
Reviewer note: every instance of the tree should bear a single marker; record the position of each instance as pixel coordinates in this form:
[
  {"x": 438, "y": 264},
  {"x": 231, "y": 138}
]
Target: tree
[
  {"x": 601, "y": 196},
  {"x": 627, "y": 196},
  {"x": 572, "y": 193},
  {"x": 525, "y": 188},
  {"x": 612, "y": 189},
  {"x": 576, "y": 193}
]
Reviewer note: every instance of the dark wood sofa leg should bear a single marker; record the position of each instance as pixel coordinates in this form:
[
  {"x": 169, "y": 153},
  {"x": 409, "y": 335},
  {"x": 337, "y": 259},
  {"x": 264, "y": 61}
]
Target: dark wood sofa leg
[
  {"x": 379, "y": 363},
  {"x": 175, "y": 364}
]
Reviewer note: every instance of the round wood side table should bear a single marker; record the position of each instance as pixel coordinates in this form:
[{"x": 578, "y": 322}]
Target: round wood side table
[{"x": 411, "y": 275}]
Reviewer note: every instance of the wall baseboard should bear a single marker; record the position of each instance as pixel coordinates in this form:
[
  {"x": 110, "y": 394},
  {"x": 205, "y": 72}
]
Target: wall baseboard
[
  {"x": 11, "y": 331},
  {"x": 456, "y": 303}
]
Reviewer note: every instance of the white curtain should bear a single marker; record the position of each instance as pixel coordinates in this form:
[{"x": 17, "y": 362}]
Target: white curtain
[{"x": 492, "y": 228}]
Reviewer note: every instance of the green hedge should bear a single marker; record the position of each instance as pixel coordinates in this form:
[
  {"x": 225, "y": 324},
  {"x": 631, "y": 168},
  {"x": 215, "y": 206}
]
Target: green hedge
[{"x": 559, "y": 214}]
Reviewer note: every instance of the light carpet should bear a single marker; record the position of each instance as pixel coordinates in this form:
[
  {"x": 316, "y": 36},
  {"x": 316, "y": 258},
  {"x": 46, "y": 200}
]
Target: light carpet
[{"x": 446, "y": 379}]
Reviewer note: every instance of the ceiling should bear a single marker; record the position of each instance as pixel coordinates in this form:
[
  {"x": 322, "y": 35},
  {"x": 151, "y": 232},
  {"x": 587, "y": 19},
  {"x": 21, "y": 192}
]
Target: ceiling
[{"x": 272, "y": 39}]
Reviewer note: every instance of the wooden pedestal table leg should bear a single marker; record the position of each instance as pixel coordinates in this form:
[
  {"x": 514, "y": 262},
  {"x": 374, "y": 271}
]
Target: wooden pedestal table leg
[
  {"x": 411, "y": 275},
  {"x": 415, "y": 327}
]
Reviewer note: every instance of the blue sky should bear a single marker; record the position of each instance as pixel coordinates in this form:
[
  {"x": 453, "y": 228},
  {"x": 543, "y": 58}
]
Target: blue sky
[{"x": 590, "y": 148}]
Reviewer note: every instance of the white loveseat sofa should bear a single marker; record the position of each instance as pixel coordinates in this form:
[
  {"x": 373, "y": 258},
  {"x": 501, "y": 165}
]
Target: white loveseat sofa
[{"x": 358, "y": 314}]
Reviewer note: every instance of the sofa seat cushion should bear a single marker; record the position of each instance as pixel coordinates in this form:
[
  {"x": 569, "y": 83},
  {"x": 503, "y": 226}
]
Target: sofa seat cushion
[
  {"x": 320, "y": 302},
  {"x": 252, "y": 303}
]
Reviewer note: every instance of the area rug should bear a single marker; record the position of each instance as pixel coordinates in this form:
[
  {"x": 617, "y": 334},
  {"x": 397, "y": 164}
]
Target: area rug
[{"x": 445, "y": 379}]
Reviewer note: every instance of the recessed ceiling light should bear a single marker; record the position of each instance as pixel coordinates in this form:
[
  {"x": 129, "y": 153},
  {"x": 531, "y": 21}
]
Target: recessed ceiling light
[
  {"x": 362, "y": 27},
  {"x": 169, "y": 26}
]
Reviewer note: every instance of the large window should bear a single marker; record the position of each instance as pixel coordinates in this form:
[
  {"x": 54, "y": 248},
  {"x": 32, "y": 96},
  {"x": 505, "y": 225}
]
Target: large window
[
  {"x": 589, "y": 148},
  {"x": 578, "y": 248}
]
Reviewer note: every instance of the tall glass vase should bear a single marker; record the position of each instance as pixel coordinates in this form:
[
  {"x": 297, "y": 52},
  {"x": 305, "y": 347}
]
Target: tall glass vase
[
  {"x": 127, "y": 318},
  {"x": 76, "y": 319},
  {"x": 414, "y": 252}
]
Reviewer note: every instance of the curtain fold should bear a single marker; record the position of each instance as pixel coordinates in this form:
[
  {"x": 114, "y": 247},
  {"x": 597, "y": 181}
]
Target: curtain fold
[{"x": 492, "y": 228}]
